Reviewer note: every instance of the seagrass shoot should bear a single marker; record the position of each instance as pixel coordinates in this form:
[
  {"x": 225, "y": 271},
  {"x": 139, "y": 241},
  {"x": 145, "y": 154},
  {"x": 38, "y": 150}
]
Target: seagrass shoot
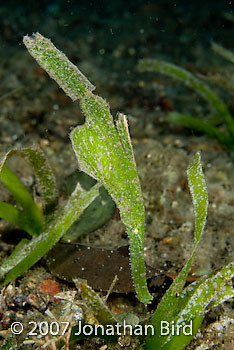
[
  {"x": 219, "y": 122},
  {"x": 103, "y": 150}
]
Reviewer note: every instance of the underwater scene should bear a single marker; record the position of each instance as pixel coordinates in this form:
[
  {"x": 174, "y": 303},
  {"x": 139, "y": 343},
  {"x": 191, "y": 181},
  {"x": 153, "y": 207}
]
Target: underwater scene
[{"x": 117, "y": 175}]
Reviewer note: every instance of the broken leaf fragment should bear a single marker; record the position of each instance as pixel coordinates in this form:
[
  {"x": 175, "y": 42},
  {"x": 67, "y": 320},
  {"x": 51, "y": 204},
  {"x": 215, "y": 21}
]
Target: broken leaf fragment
[{"x": 95, "y": 303}]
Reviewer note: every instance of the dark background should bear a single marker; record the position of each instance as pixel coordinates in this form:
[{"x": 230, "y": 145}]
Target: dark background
[{"x": 168, "y": 27}]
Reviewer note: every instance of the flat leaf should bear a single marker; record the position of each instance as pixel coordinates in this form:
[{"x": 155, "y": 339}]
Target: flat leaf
[
  {"x": 30, "y": 217},
  {"x": 170, "y": 305},
  {"x": 16, "y": 216},
  {"x": 229, "y": 55},
  {"x": 45, "y": 178},
  {"x": 24, "y": 258},
  {"x": 194, "y": 301},
  {"x": 103, "y": 149},
  {"x": 178, "y": 73}
]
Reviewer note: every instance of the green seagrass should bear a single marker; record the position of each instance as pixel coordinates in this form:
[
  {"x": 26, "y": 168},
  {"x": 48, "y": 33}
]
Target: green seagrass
[{"x": 103, "y": 149}]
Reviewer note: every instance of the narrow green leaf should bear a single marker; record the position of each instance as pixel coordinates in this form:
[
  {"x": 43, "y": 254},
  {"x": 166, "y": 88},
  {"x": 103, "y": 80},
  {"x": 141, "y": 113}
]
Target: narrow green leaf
[
  {"x": 46, "y": 183},
  {"x": 212, "y": 291},
  {"x": 31, "y": 216},
  {"x": 169, "y": 307},
  {"x": 16, "y": 216},
  {"x": 203, "y": 126},
  {"x": 162, "y": 67},
  {"x": 198, "y": 190},
  {"x": 229, "y": 55},
  {"x": 193, "y": 303},
  {"x": 24, "y": 258}
]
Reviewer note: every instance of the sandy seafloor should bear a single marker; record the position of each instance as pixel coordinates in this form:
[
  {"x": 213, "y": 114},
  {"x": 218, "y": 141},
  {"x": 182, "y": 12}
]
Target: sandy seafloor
[{"x": 106, "y": 40}]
